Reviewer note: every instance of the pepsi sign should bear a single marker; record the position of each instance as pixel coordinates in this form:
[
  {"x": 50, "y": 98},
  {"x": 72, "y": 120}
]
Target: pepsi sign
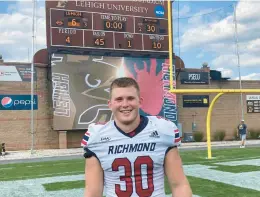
[{"x": 18, "y": 102}]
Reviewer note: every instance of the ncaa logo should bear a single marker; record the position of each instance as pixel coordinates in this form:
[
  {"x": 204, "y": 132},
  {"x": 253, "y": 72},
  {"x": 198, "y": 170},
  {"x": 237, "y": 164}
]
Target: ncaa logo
[
  {"x": 6, "y": 102},
  {"x": 159, "y": 11}
]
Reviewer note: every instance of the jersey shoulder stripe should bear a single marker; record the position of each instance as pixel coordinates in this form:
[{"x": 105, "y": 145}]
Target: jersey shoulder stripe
[
  {"x": 92, "y": 133},
  {"x": 84, "y": 141}
]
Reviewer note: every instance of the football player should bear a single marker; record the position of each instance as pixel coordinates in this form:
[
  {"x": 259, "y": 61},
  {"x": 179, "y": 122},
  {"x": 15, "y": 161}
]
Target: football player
[{"x": 131, "y": 154}]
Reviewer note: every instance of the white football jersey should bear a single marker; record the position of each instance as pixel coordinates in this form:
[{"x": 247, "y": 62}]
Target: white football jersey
[{"x": 133, "y": 163}]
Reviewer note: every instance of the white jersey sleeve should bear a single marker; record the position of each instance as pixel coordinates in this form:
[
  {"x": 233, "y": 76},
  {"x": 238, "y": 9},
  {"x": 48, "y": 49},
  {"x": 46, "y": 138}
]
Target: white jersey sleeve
[
  {"x": 90, "y": 140},
  {"x": 170, "y": 132}
]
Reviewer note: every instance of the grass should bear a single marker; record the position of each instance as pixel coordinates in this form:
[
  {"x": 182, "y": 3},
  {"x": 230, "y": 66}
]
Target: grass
[
  {"x": 207, "y": 188},
  {"x": 238, "y": 169},
  {"x": 199, "y": 186},
  {"x": 199, "y": 157},
  {"x": 24, "y": 171},
  {"x": 64, "y": 185}
]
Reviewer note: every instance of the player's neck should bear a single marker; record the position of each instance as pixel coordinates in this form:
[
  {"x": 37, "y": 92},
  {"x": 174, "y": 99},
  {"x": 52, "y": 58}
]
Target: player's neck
[{"x": 131, "y": 127}]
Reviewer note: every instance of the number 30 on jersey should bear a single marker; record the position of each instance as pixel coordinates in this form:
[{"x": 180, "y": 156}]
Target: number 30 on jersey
[{"x": 139, "y": 162}]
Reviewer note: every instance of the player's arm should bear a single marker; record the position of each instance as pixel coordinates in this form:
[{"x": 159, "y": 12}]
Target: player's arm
[
  {"x": 178, "y": 182},
  {"x": 93, "y": 178}
]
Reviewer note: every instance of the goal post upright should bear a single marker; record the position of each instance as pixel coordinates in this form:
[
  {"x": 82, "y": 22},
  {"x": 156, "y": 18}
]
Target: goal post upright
[{"x": 219, "y": 92}]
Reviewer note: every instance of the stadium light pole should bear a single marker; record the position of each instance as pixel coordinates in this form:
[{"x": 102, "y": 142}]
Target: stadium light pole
[
  {"x": 32, "y": 77},
  {"x": 238, "y": 64}
]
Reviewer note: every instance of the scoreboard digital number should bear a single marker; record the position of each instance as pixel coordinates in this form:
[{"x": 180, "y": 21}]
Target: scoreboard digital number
[{"x": 108, "y": 31}]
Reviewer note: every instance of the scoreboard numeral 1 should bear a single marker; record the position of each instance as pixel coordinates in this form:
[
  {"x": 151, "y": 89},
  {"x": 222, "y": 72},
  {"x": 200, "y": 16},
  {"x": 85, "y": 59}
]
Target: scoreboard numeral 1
[
  {"x": 68, "y": 40},
  {"x": 157, "y": 45},
  {"x": 129, "y": 43}
]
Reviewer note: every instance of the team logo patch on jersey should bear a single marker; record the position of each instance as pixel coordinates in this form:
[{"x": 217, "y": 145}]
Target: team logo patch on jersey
[
  {"x": 177, "y": 136},
  {"x": 154, "y": 134},
  {"x": 104, "y": 139},
  {"x": 84, "y": 141}
]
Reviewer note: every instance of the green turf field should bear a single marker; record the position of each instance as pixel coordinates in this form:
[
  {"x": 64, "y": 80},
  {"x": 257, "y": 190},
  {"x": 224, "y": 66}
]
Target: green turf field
[{"x": 232, "y": 172}]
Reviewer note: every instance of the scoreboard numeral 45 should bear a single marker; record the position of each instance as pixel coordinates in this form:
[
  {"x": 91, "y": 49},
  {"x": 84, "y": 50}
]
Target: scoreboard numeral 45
[
  {"x": 99, "y": 41},
  {"x": 156, "y": 45}
]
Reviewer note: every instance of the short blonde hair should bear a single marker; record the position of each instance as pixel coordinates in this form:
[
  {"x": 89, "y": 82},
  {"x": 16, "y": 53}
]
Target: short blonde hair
[{"x": 124, "y": 82}]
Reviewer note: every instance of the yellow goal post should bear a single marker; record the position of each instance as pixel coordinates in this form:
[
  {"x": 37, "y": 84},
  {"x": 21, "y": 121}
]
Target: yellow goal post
[{"x": 178, "y": 91}]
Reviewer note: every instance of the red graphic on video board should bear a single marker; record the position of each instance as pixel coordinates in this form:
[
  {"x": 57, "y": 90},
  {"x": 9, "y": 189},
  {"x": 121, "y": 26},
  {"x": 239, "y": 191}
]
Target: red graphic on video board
[{"x": 151, "y": 86}]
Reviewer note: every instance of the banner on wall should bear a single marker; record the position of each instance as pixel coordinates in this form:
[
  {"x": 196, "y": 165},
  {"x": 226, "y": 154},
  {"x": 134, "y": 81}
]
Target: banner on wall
[
  {"x": 81, "y": 88},
  {"x": 16, "y": 73},
  {"x": 253, "y": 103},
  {"x": 195, "y": 101},
  {"x": 195, "y": 78},
  {"x": 18, "y": 102}
]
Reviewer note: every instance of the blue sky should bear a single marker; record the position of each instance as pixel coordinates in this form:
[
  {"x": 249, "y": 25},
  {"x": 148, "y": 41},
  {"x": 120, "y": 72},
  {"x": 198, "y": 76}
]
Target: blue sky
[{"x": 206, "y": 34}]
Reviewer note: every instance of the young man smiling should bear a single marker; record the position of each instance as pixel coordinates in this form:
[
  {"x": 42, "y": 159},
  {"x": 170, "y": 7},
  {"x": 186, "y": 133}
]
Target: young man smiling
[{"x": 131, "y": 154}]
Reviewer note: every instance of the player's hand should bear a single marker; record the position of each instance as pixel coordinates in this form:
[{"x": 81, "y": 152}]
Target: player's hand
[{"x": 151, "y": 87}]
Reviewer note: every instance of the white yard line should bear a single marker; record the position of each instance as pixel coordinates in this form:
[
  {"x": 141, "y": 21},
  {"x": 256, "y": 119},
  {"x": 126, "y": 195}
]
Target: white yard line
[
  {"x": 45, "y": 175},
  {"x": 214, "y": 160}
]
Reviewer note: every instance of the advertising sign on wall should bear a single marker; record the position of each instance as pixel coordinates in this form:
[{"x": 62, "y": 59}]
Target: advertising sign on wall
[
  {"x": 81, "y": 88},
  {"x": 16, "y": 73},
  {"x": 195, "y": 78},
  {"x": 253, "y": 103},
  {"x": 18, "y": 102},
  {"x": 195, "y": 101}
]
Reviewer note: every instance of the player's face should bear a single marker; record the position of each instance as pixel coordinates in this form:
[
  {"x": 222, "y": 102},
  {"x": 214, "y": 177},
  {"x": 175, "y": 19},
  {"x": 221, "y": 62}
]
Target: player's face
[{"x": 125, "y": 104}]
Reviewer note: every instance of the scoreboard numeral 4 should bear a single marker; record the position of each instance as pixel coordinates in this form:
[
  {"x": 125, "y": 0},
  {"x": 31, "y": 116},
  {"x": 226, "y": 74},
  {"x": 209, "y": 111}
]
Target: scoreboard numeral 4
[
  {"x": 68, "y": 41},
  {"x": 157, "y": 45},
  {"x": 99, "y": 41}
]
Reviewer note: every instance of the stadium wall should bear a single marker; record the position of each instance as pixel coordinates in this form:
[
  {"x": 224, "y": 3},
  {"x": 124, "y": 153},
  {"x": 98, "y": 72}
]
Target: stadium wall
[
  {"x": 226, "y": 114},
  {"x": 15, "y": 125}
]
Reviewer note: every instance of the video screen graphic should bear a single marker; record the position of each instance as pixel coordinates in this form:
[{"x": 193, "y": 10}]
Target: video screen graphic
[{"x": 81, "y": 88}]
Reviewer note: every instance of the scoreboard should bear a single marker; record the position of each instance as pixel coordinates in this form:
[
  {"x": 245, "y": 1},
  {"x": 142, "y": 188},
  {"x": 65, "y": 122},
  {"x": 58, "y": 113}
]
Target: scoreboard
[{"x": 130, "y": 26}]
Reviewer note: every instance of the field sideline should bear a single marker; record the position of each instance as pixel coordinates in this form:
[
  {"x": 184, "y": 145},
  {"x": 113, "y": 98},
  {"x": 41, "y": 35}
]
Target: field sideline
[{"x": 232, "y": 172}]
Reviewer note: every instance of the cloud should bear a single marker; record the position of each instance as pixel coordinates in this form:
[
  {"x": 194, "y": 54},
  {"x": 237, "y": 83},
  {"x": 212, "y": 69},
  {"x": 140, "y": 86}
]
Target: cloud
[
  {"x": 248, "y": 11},
  {"x": 204, "y": 33},
  {"x": 252, "y": 76},
  {"x": 200, "y": 55},
  {"x": 226, "y": 72},
  {"x": 231, "y": 60},
  {"x": 16, "y": 31},
  {"x": 182, "y": 12},
  {"x": 216, "y": 39}
]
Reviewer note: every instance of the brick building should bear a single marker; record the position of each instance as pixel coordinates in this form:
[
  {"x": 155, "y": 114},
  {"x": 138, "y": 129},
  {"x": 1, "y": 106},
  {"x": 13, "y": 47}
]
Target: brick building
[
  {"x": 15, "y": 125},
  {"x": 226, "y": 113}
]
